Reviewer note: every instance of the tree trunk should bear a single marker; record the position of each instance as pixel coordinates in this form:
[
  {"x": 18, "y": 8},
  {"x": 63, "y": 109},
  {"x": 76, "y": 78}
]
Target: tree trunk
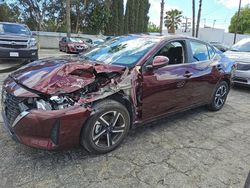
[
  {"x": 193, "y": 20},
  {"x": 77, "y": 17},
  {"x": 161, "y": 17},
  {"x": 198, "y": 19},
  {"x": 68, "y": 18}
]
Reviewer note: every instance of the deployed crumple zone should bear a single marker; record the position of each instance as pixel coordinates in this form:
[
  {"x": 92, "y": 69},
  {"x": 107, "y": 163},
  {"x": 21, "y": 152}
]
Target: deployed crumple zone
[{"x": 61, "y": 84}]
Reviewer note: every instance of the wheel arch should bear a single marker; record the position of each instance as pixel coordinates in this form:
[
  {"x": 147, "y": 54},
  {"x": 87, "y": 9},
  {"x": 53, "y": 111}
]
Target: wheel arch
[
  {"x": 227, "y": 80},
  {"x": 123, "y": 99},
  {"x": 126, "y": 101}
]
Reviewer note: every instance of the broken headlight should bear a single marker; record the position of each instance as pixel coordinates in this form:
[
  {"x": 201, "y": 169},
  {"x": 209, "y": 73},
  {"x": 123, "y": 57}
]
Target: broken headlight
[
  {"x": 61, "y": 102},
  {"x": 43, "y": 105},
  {"x": 54, "y": 103}
]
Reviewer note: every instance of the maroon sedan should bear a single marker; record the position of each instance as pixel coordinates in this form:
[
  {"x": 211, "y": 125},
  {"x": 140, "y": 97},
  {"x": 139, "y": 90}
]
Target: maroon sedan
[
  {"x": 95, "y": 99},
  {"x": 72, "y": 45}
]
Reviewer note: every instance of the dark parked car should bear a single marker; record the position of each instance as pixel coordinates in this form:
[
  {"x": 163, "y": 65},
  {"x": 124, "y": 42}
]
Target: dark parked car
[
  {"x": 95, "y": 99},
  {"x": 219, "y": 46},
  {"x": 240, "y": 53},
  {"x": 72, "y": 45},
  {"x": 17, "y": 42}
]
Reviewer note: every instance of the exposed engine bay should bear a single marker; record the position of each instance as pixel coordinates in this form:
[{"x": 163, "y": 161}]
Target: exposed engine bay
[{"x": 104, "y": 85}]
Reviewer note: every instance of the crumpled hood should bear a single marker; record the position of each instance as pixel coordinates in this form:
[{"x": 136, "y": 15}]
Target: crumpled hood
[
  {"x": 54, "y": 76},
  {"x": 238, "y": 56}
]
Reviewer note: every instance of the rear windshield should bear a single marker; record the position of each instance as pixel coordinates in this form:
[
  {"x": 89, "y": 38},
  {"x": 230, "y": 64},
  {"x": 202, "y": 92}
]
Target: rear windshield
[{"x": 14, "y": 29}]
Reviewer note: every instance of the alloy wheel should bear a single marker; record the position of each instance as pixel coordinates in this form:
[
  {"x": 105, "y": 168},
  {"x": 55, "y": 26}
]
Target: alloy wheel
[
  {"x": 108, "y": 129},
  {"x": 220, "y": 96}
]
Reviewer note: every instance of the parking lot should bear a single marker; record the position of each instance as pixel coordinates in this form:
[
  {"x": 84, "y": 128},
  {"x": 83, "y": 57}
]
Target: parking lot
[{"x": 197, "y": 148}]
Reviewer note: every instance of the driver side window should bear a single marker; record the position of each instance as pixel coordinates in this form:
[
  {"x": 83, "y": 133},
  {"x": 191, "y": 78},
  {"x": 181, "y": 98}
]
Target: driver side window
[{"x": 174, "y": 51}]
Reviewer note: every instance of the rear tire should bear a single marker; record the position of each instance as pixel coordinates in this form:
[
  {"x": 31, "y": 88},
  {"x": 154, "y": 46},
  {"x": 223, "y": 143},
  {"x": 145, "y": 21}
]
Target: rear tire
[
  {"x": 219, "y": 96},
  {"x": 106, "y": 128}
]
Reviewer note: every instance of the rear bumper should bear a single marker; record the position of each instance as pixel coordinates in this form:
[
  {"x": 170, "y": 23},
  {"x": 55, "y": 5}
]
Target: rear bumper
[
  {"x": 50, "y": 130},
  {"x": 27, "y": 54}
]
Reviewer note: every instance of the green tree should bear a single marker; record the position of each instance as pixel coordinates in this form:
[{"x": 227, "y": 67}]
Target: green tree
[
  {"x": 173, "y": 20},
  {"x": 98, "y": 17},
  {"x": 56, "y": 14},
  {"x": 9, "y": 13},
  {"x": 142, "y": 17},
  {"x": 34, "y": 13},
  {"x": 136, "y": 16},
  {"x": 244, "y": 23},
  {"x": 152, "y": 28},
  {"x": 115, "y": 24},
  {"x": 121, "y": 16}
]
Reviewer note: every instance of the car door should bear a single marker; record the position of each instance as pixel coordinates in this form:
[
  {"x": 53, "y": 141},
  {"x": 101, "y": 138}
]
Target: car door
[
  {"x": 204, "y": 72},
  {"x": 164, "y": 89}
]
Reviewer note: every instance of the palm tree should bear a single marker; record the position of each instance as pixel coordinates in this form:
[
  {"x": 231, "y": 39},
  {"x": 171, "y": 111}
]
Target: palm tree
[
  {"x": 161, "y": 17},
  {"x": 198, "y": 19},
  {"x": 173, "y": 20}
]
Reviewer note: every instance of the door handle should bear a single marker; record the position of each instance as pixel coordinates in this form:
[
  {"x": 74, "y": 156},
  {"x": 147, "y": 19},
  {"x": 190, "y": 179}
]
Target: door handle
[{"x": 188, "y": 74}]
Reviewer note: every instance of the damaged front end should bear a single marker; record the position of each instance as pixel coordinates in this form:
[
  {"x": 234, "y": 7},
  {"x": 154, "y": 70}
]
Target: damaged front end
[
  {"x": 103, "y": 85},
  {"x": 62, "y": 100}
]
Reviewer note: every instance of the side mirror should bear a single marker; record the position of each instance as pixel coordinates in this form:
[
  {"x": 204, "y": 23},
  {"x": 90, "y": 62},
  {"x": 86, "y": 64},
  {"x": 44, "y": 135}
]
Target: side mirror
[{"x": 158, "y": 61}]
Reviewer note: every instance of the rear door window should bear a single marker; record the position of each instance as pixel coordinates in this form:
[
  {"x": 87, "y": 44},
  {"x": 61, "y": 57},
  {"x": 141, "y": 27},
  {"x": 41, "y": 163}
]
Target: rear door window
[{"x": 199, "y": 51}]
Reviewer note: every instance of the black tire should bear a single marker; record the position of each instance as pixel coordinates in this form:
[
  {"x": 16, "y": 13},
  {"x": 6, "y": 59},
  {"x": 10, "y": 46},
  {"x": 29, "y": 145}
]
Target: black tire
[
  {"x": 219, "y": 96},
  {"x": 111, "y": 137}
]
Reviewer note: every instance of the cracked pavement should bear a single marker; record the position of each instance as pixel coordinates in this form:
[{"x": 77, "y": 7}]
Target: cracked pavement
[{"x": 197, "y": 148}]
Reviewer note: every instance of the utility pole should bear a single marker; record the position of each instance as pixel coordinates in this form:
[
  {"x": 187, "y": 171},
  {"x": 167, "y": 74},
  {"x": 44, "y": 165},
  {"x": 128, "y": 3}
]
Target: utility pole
[
  {"x": 237, "y": 22},
  {"x": 214, "y": 23},
  {"x": 193, "y": 18},
  {"x": 68, "y": 18},
  {"x": 205, "y": 22},
  {"x": 198, "y": 19},
  {"x": 186, "y": 24},
  {"x": 161, "y": 17}
]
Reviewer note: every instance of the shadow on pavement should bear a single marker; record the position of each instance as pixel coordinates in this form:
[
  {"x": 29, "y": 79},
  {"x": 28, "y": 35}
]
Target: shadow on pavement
[
  {"x": 242, "y": 88},
  {"x": 9, "y": 66}
]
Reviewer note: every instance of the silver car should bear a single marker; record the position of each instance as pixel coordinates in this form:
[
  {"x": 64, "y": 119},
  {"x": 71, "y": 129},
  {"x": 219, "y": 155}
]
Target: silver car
[{"x": 240, "y": 53}]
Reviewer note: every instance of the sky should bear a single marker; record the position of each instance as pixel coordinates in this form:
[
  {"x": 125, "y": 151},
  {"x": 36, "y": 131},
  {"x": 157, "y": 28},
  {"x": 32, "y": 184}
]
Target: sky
[{"x": 218, "y": 11}]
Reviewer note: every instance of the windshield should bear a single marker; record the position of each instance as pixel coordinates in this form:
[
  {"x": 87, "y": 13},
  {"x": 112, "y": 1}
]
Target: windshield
[
  {"x": 75, "y": 40},
  {"x": 14, "y": 29},
  {"x": 242, "y": 46},
  {"x": 125, "y": 50}
]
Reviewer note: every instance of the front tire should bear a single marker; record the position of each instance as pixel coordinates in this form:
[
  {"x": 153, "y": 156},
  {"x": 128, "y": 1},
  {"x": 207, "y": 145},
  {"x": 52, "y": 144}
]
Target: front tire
[
  {"x": 106, "y": 128},
  {"x": 219, "y": 96}
]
